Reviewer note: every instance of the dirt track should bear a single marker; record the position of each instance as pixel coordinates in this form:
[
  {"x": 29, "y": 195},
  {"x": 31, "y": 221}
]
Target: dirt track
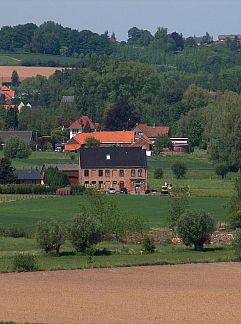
[{"x": 201, "y": 293}]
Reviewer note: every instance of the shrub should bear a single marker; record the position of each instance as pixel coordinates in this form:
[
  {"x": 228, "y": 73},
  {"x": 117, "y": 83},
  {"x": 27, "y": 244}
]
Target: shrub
[
  {"x": 85, "y": 231},
  {"x": 221, "y": 170},
  {"x": 12, "y": 231},
  {"x": 16, "y": 147},
  {"x": 148, "y": 245},
  {"x": 236, "y": 244},
  {"x": 50, "y": 236},
  {"x": 195, "y": 227},
  {"x": 56, "y": 178},
  {"x": 179, "y": 169},
  {"x": 77, "y": 190},
  {"x": 158, "y": 173},
  {"x": 24, "y": 262}
]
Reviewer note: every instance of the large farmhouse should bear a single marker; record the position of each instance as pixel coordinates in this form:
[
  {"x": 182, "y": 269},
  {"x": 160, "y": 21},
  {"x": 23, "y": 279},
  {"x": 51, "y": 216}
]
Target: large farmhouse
[{"x": 113, "y": 167}]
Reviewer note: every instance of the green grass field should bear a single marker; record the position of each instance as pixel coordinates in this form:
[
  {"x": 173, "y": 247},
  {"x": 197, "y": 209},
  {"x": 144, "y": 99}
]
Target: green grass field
[{"x": 154, "y": 209}]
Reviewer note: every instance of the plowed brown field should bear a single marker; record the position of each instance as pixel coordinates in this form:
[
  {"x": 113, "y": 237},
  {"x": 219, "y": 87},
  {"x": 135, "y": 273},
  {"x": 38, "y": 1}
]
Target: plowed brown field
[
  {"x": 200, "y": 293},
  {"x": 25, "y": 72}
]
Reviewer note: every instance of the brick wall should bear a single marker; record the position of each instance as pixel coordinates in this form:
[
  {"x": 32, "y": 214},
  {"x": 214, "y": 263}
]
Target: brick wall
[{"x": 133, "y": 179}]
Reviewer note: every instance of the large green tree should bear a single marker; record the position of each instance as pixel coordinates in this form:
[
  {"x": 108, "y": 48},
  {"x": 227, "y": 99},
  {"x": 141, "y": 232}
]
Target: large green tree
[{"x": 7, "y": 172}]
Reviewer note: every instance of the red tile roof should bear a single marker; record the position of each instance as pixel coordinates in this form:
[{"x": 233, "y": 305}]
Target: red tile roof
[
  {"x": 153, "y": 131},
  {"x": 117, "y": 137},
  {"x": 81, "y": 122},
  {"x": 10, "y": 94}
]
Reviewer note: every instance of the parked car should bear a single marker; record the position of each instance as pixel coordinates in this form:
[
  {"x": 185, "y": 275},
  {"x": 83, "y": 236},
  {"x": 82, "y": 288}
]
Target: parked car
[
  {"x": 124, "y": 190},
  {"x": 111, "y": 190}
]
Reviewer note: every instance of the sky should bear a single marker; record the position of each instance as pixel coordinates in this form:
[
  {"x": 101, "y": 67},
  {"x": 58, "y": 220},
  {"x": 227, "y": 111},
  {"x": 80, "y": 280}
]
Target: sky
[{"x": 189, "y": 17}]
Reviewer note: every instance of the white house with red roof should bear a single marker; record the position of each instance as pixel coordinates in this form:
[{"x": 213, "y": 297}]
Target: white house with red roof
[{"x": 78, "y": 125}]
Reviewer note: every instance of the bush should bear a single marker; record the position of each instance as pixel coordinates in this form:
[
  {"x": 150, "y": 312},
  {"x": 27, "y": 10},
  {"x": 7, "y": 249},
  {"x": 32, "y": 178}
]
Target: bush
[
  {"x": 221, "y": 170},
  {"x": 56, "y": 178},
  {"x": 50, "y": 236},
  {"x": 77, "y": 190},
  {"x": 158, "y": 173},
  {"x": 195, "y": 227},
  {"x": 179, "y": 169},
  {"x": 85, "y": 231},
  {"x": 148, "y": 245},
  {"x": 236, "y": 244},
  {"x": 12, "y": 231},
  {"x": 26, "y": 189},
  {"x": 24, "y": 262},
  {"x": 16, "y": 147}
]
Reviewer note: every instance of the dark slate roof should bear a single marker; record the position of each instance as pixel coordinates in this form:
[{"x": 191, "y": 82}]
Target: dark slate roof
[
  {"x": 120, "y": 157},
  {"x": 25, "y": 135},
  {"x": 28, "y": 175}
]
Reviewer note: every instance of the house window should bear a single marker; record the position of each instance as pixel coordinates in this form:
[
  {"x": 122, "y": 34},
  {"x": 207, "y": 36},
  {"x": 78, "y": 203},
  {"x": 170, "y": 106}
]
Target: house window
[
  {"x": 86, "y": 173},
  {"x": 139, "y": 172},
  {"x": 100, "y": 173},
  {"x": 107, "y": 156},
  {"x": 133, "y": 172},
  {"x": 107, "y": 173},
  {"x": 140, "y": 133},
  {"x": 122, "y": 184},
  {"x": 93, "y": 184},
  {"x": 86, "y": 184},
  {"x": 101, "y": 185},
  {"x": 121, "y": 173}
]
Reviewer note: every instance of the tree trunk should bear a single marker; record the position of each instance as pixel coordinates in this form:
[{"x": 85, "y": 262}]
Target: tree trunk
[{"x": 198, "y": 246}]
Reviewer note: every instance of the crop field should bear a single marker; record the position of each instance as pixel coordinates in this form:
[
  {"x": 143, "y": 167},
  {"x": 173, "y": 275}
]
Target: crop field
[
  {"x": 25, "y": 71},
  {"x": 191, "y": 293}
]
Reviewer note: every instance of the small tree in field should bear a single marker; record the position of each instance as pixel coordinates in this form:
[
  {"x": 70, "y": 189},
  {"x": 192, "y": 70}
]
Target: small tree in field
[
  {"x": 195, "y": 227},
  {"x": 179, "y": 203},
  {"x": 158, "y": 173},
  {"x": 85, "y": 231},
  {"x": 7, "y": 174},
  {"x": 179, "y": 169},
  {"x": 221, "y": 170},
  {"x": 50, "y": 236},
  {"x": 15, "y": 81},
  {"x": 161, "y": 143}
]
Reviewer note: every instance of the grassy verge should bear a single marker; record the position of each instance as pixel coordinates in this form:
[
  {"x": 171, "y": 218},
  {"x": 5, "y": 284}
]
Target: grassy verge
[{"x": 121, "y": 255}]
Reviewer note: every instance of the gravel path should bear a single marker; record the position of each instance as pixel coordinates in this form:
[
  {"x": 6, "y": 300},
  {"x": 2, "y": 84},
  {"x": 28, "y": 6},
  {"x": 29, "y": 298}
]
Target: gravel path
[{"x": 194, "y": 293}]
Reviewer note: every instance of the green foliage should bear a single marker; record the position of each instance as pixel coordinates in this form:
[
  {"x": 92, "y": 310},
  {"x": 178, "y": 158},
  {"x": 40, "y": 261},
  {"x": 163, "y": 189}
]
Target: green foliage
[
  {"x": 158, "y": 173},
  {"x": 236, "y": 244},
  {"x": 50, "y": 236},
  {"x": 85, "y": 231},
  {"x": 148, "y": 245},
  {"x": 55, "y": 178},
  {"x": 87, "y": 128},
  {"x": 15, "y": 78},
  {"x": 92, "y": 142},
  {"x": 121, "y": 116},
  {"x": 26, "y": 189},
  {"x": 179, "y": 169},
  {"x": 16, "y": 147},
  {"x": 179, "y": 203},
  {"x": 234, "y": 207},
  {"x": 13, "y": 230},
  {"x": 59, "y": 134},
  {"x": 7, "y": 174},
  {"x": 221, "y": 170},
  {"x": 24, "y": 262},
  {"x": 11, "y": 120},
  {"x": 161, "y": 143},
  {"x": 195, "y": 227}
]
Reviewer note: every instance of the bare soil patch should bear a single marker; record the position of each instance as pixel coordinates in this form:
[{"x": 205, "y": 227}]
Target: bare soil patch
[
  {"x": 25, "y": 72},
  {"x": 194, "y": 293}
]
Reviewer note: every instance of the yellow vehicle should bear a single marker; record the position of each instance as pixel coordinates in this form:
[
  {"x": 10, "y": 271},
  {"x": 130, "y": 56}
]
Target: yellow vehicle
[{"x": 164, "y": 190}]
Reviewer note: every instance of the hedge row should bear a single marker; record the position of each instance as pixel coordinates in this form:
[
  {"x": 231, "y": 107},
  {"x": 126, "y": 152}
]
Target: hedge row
[{"x": 26, "y": 189}]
